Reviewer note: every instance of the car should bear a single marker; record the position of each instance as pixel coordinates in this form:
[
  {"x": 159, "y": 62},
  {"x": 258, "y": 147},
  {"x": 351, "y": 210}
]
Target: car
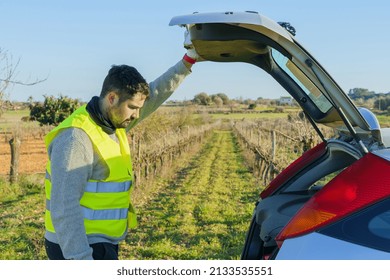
[{"x": 333, "y": 201}]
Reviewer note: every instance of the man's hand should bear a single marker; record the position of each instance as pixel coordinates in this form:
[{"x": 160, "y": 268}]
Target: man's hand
[
  {"x": 187, "y": 40},
  {"x": 191, "y": 56}
]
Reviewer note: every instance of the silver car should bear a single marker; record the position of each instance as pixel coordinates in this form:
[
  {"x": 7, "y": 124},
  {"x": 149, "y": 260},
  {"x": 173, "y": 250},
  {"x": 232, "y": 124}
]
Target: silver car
[{"x": 303, "y": 214}]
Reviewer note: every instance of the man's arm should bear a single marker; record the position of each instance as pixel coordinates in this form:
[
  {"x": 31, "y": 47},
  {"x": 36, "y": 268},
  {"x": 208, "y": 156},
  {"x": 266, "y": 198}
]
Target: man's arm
[
  {"x": 162, "y": 88},
  {"x": 71, "y": 155}
]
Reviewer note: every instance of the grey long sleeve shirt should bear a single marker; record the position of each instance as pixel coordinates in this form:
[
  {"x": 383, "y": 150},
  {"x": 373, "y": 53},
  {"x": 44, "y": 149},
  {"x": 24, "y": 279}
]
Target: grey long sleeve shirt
[{"x": 74, "y": 162}]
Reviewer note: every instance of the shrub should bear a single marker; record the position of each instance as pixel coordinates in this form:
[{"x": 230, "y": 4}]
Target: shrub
[
  {"x": 252, "y": 106},
  {"x": 53, "y": 110}
]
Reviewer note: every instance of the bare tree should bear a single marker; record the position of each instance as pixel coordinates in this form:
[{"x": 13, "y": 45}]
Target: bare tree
[{"x": 8, "y": 76}]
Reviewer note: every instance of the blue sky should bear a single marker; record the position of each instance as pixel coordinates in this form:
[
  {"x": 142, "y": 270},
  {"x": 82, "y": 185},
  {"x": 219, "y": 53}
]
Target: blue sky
[{"x": 74, "y": 43}]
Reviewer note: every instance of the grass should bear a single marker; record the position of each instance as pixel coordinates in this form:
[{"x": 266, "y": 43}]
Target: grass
[
  {"x": 240, "y": 116},
  {"x": 384, "y": 120},
  {"x": 203, "y": 214},
  {"x": 15, "y": 115},
  {"x": 21, "y": 219},
  {"x": 12, "y": 119}
]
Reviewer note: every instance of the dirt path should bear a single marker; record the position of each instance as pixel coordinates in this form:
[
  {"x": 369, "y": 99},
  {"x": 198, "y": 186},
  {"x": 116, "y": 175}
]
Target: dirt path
[{"x": 204, "y": 214}]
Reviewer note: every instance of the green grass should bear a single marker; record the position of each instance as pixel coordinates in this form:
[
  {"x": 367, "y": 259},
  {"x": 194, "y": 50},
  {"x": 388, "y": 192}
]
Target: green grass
[
  {"x": 12, "y": 116},
  {"x": 384, "y": 120},
  {"x": 203, "y": 214},
  {"x": 21, "y": 219},
  {"x": 240, "y": 116},
  {"x": 12, "y": 119}
]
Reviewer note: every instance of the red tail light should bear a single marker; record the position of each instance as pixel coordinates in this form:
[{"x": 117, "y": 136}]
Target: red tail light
[
  {"x": 363, "y": 183},
  {"x": 307, "y": 158}
]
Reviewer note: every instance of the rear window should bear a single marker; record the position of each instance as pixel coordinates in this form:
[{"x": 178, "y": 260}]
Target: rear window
[{"x": 302, "y": 81}]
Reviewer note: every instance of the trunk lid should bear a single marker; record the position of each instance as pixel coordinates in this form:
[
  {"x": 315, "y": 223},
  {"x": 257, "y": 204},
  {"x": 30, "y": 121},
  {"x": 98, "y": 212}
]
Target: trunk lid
[{"x": 252, "y": 38}]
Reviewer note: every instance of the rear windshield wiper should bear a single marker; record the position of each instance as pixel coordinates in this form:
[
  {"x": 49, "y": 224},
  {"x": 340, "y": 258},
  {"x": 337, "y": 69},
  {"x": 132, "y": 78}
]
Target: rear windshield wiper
[{"x": 349, "y": 126}]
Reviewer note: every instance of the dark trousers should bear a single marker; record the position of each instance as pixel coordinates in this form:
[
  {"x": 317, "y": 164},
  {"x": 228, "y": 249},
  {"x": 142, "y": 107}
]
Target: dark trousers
[{"x": 101, "y": 251}]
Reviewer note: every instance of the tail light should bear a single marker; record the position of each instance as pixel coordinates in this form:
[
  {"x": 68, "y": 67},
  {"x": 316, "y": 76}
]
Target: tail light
[
  {"x": 361, "y": 184},
  {"x": 306, "y": 159}
]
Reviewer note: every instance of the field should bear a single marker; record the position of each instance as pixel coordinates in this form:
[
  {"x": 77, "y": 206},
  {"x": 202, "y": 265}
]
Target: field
[
  {"x": 11, "y": 119},
  {"x": 32, "y": 153},
  {"x": 32, "y": 156},
  {"x": 199, "y": 209},
  {"x": 202, "y": 212},
  {"x": 197, "y": 204}
]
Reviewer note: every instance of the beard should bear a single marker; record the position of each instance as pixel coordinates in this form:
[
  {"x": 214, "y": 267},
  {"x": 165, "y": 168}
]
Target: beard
[
  {"x": 118, "y": 121},
  {"x": 123, "y": 124}
]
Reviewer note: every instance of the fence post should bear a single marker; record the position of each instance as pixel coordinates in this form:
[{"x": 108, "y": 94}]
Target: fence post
[
  {"x": 138, "y": 181},
  {"x": 273, "y": 152},
  {"x": 273, "y": 139},
  {"x": 15, "y": 155},
  {"x": 133, "y": 141}
]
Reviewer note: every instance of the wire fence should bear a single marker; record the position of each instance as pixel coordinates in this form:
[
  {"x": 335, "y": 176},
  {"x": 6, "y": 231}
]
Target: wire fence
[
  {"x": 271, "y": 144},
  {"x": 23, "y": 152}
]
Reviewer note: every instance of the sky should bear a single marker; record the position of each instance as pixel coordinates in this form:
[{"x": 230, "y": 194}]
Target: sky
[{"x": 72, "y": 44}]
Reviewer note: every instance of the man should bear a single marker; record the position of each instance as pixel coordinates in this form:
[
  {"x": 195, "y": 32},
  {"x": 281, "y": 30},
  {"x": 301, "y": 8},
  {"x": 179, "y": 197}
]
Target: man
[{"x": 89, "y": 173}]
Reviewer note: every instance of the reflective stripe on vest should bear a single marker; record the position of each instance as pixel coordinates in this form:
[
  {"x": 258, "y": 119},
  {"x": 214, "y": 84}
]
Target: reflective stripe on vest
[
  {"x": 113, "y": 214},
  {"x": 105, "y": 204},
  {"x": 101, "y": 187}
]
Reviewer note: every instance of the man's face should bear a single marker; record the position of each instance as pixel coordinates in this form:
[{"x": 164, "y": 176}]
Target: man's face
[{"x": 122, "y": 114}]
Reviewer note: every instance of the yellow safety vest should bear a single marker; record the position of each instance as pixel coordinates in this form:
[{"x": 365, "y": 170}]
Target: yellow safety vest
[{"x": 106, "y": 204}]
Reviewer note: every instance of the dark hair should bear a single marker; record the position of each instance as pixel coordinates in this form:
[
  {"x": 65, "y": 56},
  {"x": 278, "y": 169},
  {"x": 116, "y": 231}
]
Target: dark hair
[{"x": 126, "y": 81}]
